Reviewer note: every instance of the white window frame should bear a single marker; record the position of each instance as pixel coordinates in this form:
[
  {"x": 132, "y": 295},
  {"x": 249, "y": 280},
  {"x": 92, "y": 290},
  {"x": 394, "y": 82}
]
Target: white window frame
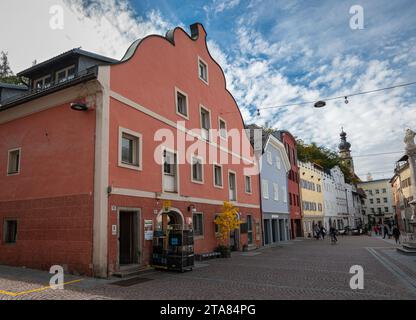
[
  {"x": 278, "y": 163},
  {"x": 42, "y": 80},
  {"x": 265, "y": 188},
  {"x": 219, "y": 129},
  {"x": 275, "y": 192},
  {"x": 66, "y": 73},
  {"x": 139, "y": 166},
  {"x": 269, "y": 157},
  {"x": 250, "y": 185},
  {"x": 18, "y": 164},
  {"x": 206, "y": 81},
  {"x": 174, "y": 152},
  {"x": 177, "y": 90},
  {"x": 199, "y": 236},
  {"x": 235, "y": 180},
  {"x": 202, "y": 169},
  {"x": 284, "y": 190},
  {"x": 200, "y": 121},
  {"x": 222, "y": 175}
]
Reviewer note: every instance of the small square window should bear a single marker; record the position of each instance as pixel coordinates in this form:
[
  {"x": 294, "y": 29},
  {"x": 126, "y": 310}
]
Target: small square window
[
  {"x": 248, "y": 184},
  {"x": 202, "y": 70},
  {"x": 197, "y": 170},
  {"x": 198, "y": 224},
  {"x": 181, "y": 103},
  {"x": 10, "y": 231},
  {"x": 218, "y": 176},
  {"x": 14, "y": 162}
]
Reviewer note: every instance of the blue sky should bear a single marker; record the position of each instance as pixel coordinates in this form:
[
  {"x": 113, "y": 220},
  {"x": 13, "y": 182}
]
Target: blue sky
[{"x": 272, "y": 52}]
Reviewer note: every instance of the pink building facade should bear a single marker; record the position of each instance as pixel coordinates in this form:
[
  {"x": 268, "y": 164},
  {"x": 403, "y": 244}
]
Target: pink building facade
[{"x": 156, "y": 135}]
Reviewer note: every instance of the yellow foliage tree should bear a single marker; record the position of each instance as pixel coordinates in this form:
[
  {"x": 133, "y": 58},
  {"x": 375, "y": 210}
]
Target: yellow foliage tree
[{"x": 227, "y": 221}]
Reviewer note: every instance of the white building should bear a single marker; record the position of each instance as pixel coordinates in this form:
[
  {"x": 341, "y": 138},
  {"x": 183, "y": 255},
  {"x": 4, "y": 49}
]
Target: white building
[{"x": 330, "y": 201}]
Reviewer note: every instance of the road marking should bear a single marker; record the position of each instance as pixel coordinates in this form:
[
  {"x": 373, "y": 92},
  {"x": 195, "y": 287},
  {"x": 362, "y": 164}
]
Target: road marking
[
  {"x": 15, "y": 294},
  {"x": 398, "y": 272}
]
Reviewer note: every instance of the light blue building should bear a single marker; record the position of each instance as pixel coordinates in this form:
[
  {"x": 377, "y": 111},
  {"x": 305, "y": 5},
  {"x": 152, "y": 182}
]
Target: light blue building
[{"x": 274, "y": 170}]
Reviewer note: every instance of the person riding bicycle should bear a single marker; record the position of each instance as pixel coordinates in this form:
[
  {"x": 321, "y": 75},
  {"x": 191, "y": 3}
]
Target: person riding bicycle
[{"x": 333, "y": 234}]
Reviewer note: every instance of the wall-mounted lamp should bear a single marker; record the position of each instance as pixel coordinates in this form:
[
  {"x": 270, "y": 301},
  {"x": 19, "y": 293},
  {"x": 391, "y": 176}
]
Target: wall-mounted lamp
[
  {"x": 79, "y": 106},
  {"x": 191, "y": 208}
]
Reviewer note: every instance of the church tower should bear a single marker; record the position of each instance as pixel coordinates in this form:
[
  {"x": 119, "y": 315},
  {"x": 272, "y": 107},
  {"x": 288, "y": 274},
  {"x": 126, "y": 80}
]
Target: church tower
[{"x": 345, "y": 152}]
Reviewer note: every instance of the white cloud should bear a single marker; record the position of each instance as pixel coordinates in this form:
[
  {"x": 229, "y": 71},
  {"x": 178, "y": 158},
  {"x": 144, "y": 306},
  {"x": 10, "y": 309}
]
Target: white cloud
[{"x": 107, "y": 27}]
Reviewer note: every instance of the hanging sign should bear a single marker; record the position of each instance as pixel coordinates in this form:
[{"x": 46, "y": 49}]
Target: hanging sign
[
  {"x": 166, "y": 205},
  {"x": 148, "y": 229}
]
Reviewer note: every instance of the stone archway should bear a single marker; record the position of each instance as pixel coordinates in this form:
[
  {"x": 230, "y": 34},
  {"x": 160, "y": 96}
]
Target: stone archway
[{"x": 174, "y": 217}]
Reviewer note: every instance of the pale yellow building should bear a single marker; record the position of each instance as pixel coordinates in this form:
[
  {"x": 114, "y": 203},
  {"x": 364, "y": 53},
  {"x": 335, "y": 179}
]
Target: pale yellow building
[
  {"x": 402, "y": 194},
  {"x": 311, "y": 188}
]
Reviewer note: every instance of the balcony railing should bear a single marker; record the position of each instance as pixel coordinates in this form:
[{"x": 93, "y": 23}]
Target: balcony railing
[{"x": 52, "y": 87}]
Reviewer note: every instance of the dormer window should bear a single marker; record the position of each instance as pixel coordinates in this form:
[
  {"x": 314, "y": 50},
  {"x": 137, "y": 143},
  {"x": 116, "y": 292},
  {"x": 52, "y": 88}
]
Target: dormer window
[
  {"x": 42, "y": 83},
  {"x": 65, "y": 74},
  {"x": 203, "y": 70}
]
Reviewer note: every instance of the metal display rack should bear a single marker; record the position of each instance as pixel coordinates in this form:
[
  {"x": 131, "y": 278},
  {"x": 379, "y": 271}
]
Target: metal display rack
[{"x": 173, "y": 249}]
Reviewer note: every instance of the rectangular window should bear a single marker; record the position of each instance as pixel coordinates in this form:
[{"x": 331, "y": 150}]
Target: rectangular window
[
  {"x": 218, "y": 176},
  {"x": 370, "y": 192},
  {"x": 198, "y": 224},
  {"x": 13, "y": 166},
  {"x": 250, "y": 229},
  {"x": 290, "y": 198},
  {"x": 385, "y": 200},
  {"x": 371, "y": 201},
  {"x": 205, "y": 123},
  {"x": 384, "y": 190},
  {"x": 10, "y": 231},
  {"x": 197, "y": 170},
  {"x": 377, "y": 191},
  {"x": 169, "y": 171},
  {"x": 386, "y": 209},
  {"x": 265, "y": 189},
  {"x": 284, "y": 191},
  {"x": 181, "y": 103},
  {"x": 378, "y": 200},
  {"x": 278, "y": 164},
  {"x": 232, "y": 185},
  {"x": 202, "y": 70},
  {"x": 372, "y": 210},
  {"x": 223, "y": 128},
  {"x": 275, "y": 192},
  {"x": 65, "y": 74},
  {"x": 379, "y": 210},
  {"x": 269, "y": 157},
  {"x": 42, "y": 83},
  {"x": 248, "y": 184},
  {"x": 130, "y": 149}
]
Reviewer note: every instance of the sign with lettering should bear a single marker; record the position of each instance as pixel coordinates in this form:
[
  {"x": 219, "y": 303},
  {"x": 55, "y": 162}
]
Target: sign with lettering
[{"x": 148, "y": 229}]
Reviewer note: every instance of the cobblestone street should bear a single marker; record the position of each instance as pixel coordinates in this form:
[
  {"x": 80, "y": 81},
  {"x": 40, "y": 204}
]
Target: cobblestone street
[{"x": 300, "y": 269}]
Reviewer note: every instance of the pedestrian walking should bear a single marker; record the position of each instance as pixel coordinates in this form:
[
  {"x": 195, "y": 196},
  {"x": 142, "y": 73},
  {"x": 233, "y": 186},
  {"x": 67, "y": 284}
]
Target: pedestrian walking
[
  {"x": 316, "y": 232},
  {"x": 333, "y": 234},
  {"x": 396, "y": 234},
  {"x": 322, "y": 232},
  {"x": 386, "y": 231}
]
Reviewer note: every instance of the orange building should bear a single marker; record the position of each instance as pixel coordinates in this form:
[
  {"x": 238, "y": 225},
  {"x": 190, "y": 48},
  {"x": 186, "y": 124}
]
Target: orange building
[{"x": 96, "y": 149}]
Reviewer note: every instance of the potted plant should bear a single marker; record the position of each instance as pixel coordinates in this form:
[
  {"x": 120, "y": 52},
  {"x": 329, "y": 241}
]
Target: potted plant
[{"x": 227, "y": 221}]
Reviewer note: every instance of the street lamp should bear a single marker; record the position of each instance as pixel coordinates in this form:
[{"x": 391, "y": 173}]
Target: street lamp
[{"x": 320, "y": 104}]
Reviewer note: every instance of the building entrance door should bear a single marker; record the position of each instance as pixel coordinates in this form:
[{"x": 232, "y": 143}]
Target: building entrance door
[{"x": 128, "y": 238}]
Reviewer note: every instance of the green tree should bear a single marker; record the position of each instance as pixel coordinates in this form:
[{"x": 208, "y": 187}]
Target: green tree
[
  {"x": 6, "y": 73},
  {"x": 324, "y": 157}
]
